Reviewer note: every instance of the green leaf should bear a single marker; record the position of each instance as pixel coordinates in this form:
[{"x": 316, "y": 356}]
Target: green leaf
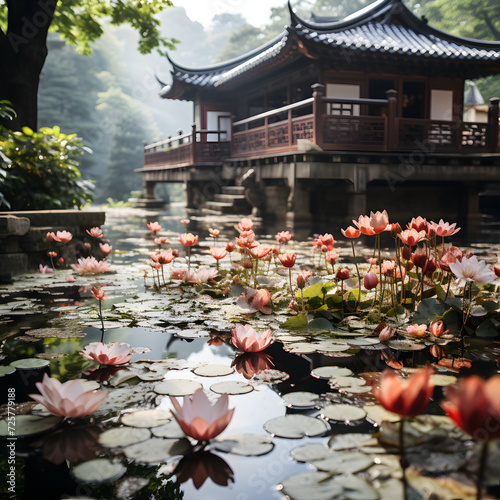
[
  {"x": 320, "y": 324},
  {"x": 429, "y": 310},
  {"x": 298, "y": 321},
  {"x": 487, "y": 329},
  {"x": 318, "y": 290}
]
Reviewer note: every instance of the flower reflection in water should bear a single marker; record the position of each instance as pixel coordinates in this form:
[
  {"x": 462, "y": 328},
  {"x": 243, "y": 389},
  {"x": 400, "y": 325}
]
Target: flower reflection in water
[
  {"x": 252, "y": 363},
  {"x": 72, "y": 443},
  {"x": 203, "y": 465}
]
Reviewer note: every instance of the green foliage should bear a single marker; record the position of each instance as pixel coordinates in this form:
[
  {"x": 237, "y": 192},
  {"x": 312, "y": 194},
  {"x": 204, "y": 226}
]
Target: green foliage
[
  {"x": 6, "y": 110},
  {"x": 40, "y": 170},
  {"x": 80, "y": 22}
]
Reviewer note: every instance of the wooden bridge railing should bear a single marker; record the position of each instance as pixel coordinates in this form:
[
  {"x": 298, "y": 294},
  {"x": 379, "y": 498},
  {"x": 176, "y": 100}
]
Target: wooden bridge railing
[
  {"x": 200, "y": 146},
  {"x": 331, "y": 123}
]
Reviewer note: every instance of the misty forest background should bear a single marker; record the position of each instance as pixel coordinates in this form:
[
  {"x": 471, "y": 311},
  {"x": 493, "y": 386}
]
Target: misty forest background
[{"x": 110, "y": 99}]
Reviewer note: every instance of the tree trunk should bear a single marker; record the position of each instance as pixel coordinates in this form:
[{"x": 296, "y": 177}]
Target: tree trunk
[{"x": 23, "y": 49}]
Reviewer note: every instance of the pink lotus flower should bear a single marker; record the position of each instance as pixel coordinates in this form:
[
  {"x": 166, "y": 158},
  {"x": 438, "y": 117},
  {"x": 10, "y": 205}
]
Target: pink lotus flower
[
  {"x": 45, "y": 269},
  {"x": 386, "y": 334},
  {"x": 203, "y": 275},
  {"x": 247, "y": 240},
  {"x": 63, "y": 236},
  {"x": 214, "y": 232},
  {"x": 342, "y": 274},
  {"x": 331, "y": 257},
  {"x": 51, "y": 236},
  {"x": 70, "y": 278},
  {"x": 153, "y": 226},
  {"x": 375, "y": 224},
  {"x": 113, "y": 353},
  {"x": 106, "y": 249},
  {"x": 351, "y": 232},
  {"x": 188, "y": 239},
  {"x": 407, "y": 398},
  {"x": 154, "y": 264},
  {"x": 99, "y": 293},
  {"x": 283, "y": 237},
  {"x": 200, "y": 419},
  {"x": 178, "y": 273},
  {"x": 370, "y": 281},
  {"x": 437, "y": 329},
  {"x": 260, "y": 251},
  {"x": 95, "y": 232},
  {"x": 246, "y": 224},
  {"x": 411, "y": 237},
  {"x": 287, "y": 259},
  {"x": 372, "y": 261},
  {"x": 165, "y": 257},
  {"x": 444, "y": 228},
  {"x": 161, "y": 240},
  {"x": 451, "y": 255},
  {"x": 185, "y": 222},
  {"x": 218, "y": 253},
  {"x": 416, "y": 330},
  {"x": 90, "y": 265},
  {"x": 470, "y": 269},
  {"x": 246, "y": 339},
  {"x": 68, "y": 399},
  {"x": 255, "y": 300},
  {"x": 229, "y": 246},
  {"x": 419, "y": 224}
]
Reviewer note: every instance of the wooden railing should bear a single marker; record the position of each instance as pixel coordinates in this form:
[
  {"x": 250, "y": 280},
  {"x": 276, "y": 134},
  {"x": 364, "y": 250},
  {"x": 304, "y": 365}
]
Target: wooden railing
[
  {"x": 331, "y": 123},
  {"x": 188, "y": 149}
]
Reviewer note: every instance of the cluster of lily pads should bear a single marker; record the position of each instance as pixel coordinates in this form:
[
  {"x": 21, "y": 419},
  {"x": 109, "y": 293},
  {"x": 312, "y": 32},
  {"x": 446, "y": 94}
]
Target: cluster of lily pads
[{"x": 424, "y": 294}]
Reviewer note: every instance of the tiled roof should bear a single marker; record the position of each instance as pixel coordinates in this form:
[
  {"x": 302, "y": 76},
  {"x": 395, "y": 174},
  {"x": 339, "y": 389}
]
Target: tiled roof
[{"x": 384, "y": 27}]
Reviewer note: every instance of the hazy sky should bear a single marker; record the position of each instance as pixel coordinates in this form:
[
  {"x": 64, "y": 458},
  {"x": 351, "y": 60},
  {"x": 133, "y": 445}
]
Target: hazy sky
[{"x": 255, "y": 11}]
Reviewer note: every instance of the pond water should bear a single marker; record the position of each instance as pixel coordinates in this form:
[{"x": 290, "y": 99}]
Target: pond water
[{"x": 179, "y": 327}]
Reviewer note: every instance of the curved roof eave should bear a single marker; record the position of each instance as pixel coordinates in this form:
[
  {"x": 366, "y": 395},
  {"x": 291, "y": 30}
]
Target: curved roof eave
[
  {"x": 400, "y": 11},
  {"x": 230, "y": 63}
]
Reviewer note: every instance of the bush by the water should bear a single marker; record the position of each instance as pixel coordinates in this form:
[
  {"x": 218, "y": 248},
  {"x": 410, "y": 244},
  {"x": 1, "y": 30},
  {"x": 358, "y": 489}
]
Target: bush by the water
[{"x": 39, "y": 170}]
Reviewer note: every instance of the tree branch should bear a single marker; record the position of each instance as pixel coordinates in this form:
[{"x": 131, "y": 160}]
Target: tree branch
[{"x": 491, "y": 26}]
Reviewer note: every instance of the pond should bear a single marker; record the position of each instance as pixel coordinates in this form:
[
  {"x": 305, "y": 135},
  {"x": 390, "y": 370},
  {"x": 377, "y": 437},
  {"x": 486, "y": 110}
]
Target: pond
[{"x": 306, "y": 421}]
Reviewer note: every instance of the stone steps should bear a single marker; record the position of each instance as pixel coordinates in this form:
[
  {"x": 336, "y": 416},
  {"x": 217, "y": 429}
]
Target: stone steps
[
  {"x": 232, "y": 200},
  {"x": 236, "y": 190}
]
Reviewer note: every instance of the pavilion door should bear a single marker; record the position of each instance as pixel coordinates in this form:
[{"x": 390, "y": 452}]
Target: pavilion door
[{"x": 221, "y": 121}]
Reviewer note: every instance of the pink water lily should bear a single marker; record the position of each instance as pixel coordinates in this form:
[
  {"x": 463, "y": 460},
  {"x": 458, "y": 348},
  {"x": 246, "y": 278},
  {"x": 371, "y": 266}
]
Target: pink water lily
[
  {"x": 112, "y": 353},
  {"x": 255, "y": 300},
  {"x": 63, "y": 236},
  {"x": 90, "y": 265},
  {"x": 470, "y": 269},
  {"x": 200, "y": 419},
  {"x": 246, "y": 339},
  {"x": 68, "y": 399}
]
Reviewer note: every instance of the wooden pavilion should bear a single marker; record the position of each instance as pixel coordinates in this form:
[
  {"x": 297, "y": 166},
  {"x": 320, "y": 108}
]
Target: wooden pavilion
[{"x": 356, "y": 110}]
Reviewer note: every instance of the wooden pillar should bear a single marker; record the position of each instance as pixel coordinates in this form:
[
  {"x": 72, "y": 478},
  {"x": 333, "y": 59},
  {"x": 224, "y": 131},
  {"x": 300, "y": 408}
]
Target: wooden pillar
[
  {"x": 493, "y": 115},
  {"x": 392, "y": 126},
  {"x": 149, "y": 189},
  {"x": 193, "y": 143},
  {"x": 318, "y": 110}
]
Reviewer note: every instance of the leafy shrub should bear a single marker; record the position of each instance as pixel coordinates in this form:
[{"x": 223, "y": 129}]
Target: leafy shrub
[{"x": 39, "y": 170}]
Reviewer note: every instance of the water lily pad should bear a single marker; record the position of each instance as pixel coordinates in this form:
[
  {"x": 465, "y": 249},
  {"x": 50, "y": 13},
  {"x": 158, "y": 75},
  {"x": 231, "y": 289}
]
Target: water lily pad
[
  {"x": 331, "y": 346},
  {"x": 311, "y": 485},
  {"x": 150, "y": 376},
  {"x": 327, "y": 372},
  {"x": 213, "y": 370},
  {"x": 30, "y": 363},
  {"x": 271, "y": 376},
  {"x": 379, "y": 414},
  {"x": 129, "y": 486},
  {"x": 156, "y": 450},
  {"x": 405, "y": 345},
  {"x": 349, "y": 441},
  {"x": 296, "y": 426},
  {"x": 357, "y": 488},
  {"x": 171, "y": 430},
  {"x": 442, "y": 380},
  {"x": 123, "y": 436},
  {"x": 100, "y": 470},
  {"x": 250, "y": 445},
  {"x": 310, "y": 452},
  {"x": 146, "y": 418},
  {"x": 6, "y": 370},
  {"x": 28, "y": 425},
  {"x": 300, "y": 347},
  {"x": 232, "y": 387},
  {"x": 301, "y": 399},
  {"x": 362, "y": 341},
  {"x": 177, "y": 387},
  {"x": 343, "y": 412},
  {"x": 348, "y": 381},
  {"x": 343, "y": 463}
]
